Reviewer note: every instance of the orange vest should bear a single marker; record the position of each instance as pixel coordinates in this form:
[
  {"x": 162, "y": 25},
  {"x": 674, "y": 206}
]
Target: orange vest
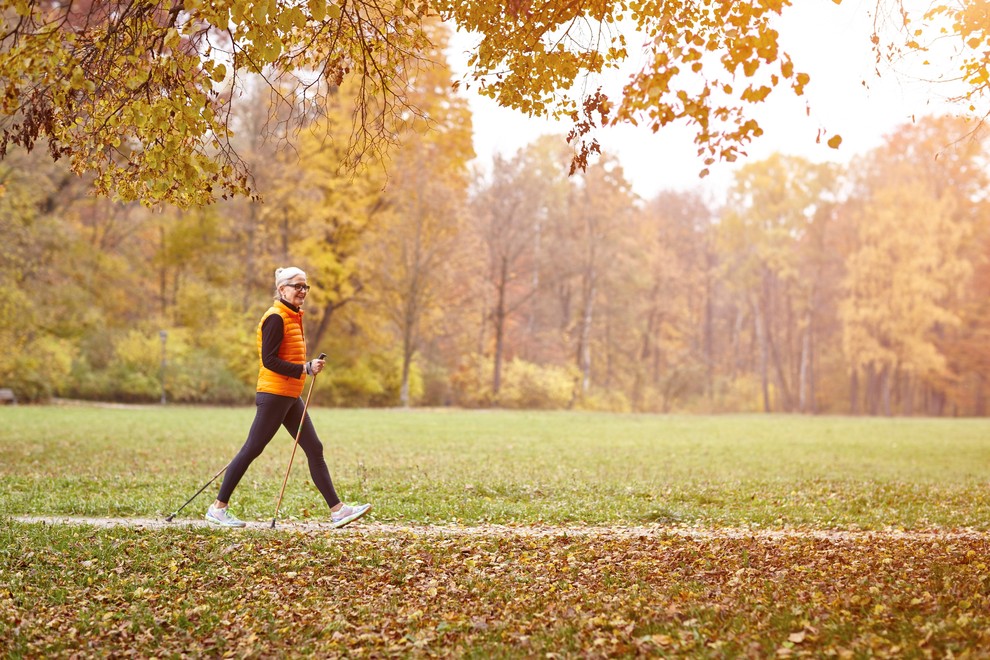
[{"x": 292, "y": 349}]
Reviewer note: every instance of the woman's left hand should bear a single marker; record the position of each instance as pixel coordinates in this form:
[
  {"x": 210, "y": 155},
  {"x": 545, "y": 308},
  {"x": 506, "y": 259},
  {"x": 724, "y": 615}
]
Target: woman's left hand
[{"x": 316, "y": 366}]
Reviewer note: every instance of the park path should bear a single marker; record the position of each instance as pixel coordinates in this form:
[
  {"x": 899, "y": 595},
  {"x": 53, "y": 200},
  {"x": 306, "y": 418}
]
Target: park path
[{"x": 508, "y": 531}]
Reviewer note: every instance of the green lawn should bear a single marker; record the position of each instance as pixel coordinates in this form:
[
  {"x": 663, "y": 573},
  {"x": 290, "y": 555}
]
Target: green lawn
[
  {"x": 367, "y": 591},
  {"x": 511, "y": 467}
]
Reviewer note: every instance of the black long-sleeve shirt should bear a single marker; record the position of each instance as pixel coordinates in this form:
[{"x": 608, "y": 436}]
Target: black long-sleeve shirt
[{"x": 272, "y": 334}]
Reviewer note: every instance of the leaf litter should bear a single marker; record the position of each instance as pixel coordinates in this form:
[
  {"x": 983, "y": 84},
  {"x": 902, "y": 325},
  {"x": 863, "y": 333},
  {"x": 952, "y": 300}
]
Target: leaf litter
[{"x": 384, "y": 590}]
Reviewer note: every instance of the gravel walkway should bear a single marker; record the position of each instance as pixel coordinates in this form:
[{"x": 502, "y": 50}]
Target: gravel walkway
[{"x": 371, "y": 528}]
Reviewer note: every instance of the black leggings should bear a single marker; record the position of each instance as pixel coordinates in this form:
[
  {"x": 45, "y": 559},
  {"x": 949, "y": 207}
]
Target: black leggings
[{"x": 274, "y": 411}]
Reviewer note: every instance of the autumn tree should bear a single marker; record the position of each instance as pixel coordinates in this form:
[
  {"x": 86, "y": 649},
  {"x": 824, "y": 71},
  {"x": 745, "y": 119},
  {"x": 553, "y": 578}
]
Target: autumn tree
[
  {"x": 141, "y": 93},
  {"x": 410, "y": 256},
  {"x": 772, "y": 209},
  {"x": 337, "y": 206},
  {"x": 600, "y": 211},
  {"x": 503, "y": 213},
  {"x": 926, "y": 30},
  {"x": 897, "y": 283},
  {"x": 547, "y": 314},
  {"x": 920, "y": 198},
  {"x": 260, "y": 234},
  {"x": 968, "y": 353},
  {"x": 673, "y": 280},
  {"x": 36, "y": 250}
]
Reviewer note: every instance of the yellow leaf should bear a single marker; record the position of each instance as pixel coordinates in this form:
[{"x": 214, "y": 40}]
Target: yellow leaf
[{"x": 317, "y": 9}]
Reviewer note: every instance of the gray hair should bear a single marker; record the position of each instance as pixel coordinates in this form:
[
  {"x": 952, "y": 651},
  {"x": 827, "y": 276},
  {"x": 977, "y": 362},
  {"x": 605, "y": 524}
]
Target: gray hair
[{"x": 283, "y": 275}]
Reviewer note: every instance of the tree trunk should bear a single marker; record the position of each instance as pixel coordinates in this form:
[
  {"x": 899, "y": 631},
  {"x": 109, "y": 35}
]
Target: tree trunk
[
  {"x": 812, "y": 376},
  {"x": 412, "y": 307},
  {"x": 608, "y": 350},
  {"x": 531, "y": 323},
  {"x": 249, "y": 266},
  {"x": 163, "y": 275},
  {"x": 483, "y": 326},
  {"x": 782, "y": 387},
  {"x": 499, "y": 330},
  {"x": 737, "y": 328},
  {"x": 285, "y": 236},
  {"x": 584, "y": 344},
  {"x": 404, "y": 389},
  {"x": 321, "y": 328},
  {"x": 886, "y": 383},
  {"x": 804, "y": 376},
  {"x": 784, "y": 393},
  {"x": 764, "y": 358},
  {"x": 324, "y": 325},
  {"x": 807, "y": 369},
  {"x": 939, "y": 403},
  {"x": 870, "y": 401},
  {"x": 854, "y": 392},
  {"x": 408, "y": 344},
  {"x": 646, "y": 349},
  {"x": 709, "y": 337},
  {"x": 907, "y": 396}
]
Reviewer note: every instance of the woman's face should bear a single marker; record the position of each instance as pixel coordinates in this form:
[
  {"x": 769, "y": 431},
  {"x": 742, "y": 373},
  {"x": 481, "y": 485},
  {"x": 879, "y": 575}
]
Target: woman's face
[{"x": 294, "y": 291}]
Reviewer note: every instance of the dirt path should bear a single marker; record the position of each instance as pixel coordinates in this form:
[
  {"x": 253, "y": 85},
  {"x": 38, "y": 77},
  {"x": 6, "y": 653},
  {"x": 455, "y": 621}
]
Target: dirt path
[{"x": 374, "y": 528}]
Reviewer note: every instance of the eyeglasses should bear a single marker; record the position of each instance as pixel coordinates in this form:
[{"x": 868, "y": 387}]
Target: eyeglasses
[{"x": 299, "y": 286}]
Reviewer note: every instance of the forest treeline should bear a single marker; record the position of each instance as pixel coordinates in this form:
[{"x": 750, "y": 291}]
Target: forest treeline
[{"x": 813, "y": 288}]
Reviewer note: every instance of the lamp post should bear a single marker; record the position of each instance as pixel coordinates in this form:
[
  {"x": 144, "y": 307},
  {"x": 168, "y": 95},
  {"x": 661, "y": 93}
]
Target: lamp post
[{"x": 164, "y": 336}]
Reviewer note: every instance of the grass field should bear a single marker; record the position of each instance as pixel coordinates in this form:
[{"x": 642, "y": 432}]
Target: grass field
[
  {"x": 512, "y": 467},
  {"x": 84, "y": 590}
]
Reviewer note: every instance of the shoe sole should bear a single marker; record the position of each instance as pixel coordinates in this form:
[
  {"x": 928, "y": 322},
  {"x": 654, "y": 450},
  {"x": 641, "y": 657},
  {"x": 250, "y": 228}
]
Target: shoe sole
[{"x": 351, "y": 518}]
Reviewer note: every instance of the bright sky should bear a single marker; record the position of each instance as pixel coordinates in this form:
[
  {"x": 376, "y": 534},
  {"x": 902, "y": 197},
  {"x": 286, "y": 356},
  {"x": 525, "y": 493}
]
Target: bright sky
[{"x": 829, "y": 42}]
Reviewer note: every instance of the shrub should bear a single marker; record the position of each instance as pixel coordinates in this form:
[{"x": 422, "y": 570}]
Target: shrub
[
  {"x": 127, "y": 367},
  {"x": 372, "y": 380},
  {"x": 36, "y": 371},
  {"x": 605, "y": 401},
  {"x": 528, "y": 385},
  {"x": 437, "y": 386},
  {"x": 471, "y": 384},
  {"x": 199, "y": 376},
  {"x": 741, "y": 394},
  {"x": 524, "y": 384}
]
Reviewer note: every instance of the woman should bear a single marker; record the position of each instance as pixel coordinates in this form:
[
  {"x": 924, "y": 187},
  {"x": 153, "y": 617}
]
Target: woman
[{"x": 282, "y": 349}]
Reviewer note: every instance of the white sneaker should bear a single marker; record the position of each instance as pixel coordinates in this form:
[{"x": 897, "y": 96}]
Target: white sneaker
[
  {"x": 222, "y": 517},
  {"x": 348, "y": 514}
]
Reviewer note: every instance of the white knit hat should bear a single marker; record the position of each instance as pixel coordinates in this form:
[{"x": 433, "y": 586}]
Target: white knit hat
[{"x": 283, "y": 275}]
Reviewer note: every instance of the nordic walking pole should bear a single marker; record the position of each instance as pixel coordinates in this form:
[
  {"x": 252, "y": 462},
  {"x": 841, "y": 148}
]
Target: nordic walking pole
[
  {"x": 176, "y": 512},
  {"x": 302, "y": 420}
]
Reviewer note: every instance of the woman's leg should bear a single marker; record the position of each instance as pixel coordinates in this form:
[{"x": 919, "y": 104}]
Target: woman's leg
[
  {"x": 311, "y": 444},
  {"x": 270, "y": 413}
]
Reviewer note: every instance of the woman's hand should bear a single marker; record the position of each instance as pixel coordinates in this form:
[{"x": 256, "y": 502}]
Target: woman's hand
[{"x": 315, "y": 366}]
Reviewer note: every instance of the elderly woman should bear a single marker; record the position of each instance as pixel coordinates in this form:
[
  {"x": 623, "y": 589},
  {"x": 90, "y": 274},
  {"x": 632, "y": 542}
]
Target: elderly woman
[{"x": 282, "y": 349}]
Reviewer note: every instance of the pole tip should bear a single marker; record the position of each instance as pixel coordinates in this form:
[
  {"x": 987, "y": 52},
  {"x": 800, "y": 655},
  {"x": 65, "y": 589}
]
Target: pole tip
[
  {"x": 169, "y": 518},
  {"x": 273, "y": 523}
]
